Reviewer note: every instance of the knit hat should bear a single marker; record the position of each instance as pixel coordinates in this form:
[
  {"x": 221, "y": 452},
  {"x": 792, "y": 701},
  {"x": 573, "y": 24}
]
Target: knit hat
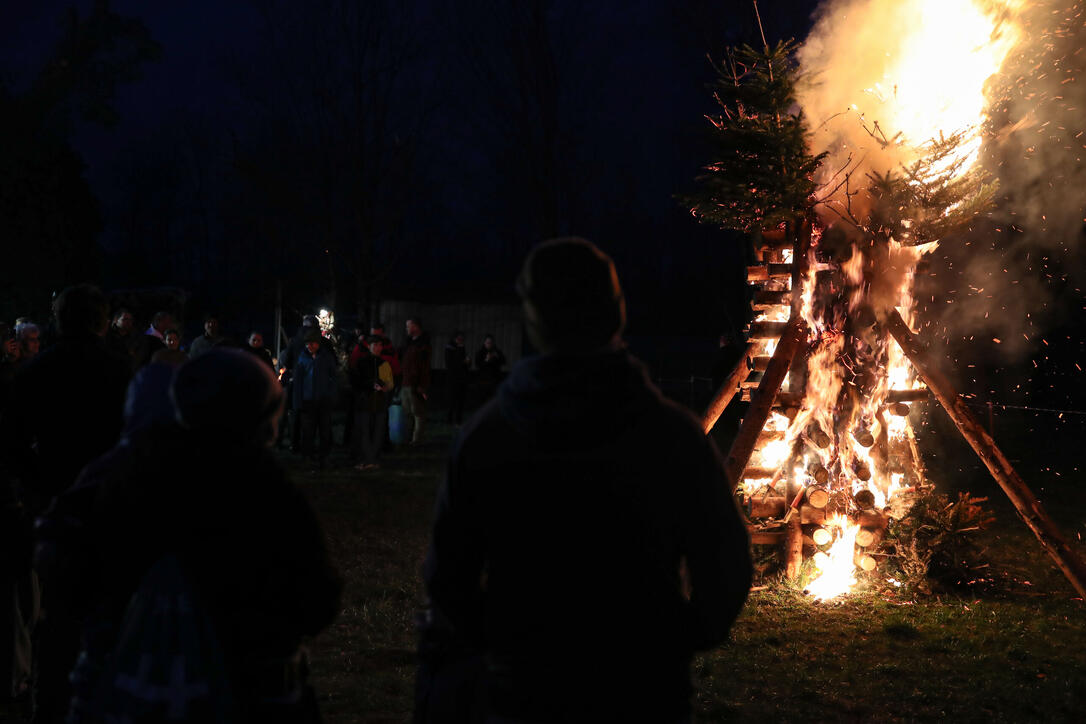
[
  {"x": 574, "y": 292},
  {"x": 228, "y": 392}
]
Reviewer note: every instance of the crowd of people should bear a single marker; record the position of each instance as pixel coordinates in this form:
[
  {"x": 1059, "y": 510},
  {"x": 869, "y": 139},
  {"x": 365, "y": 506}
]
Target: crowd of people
[
  {"x": 102, "y": 408},
  {"x": 158, "y": 564},
  {"x": 110, "y": 539},
  {"x": 333, "y": 370}
]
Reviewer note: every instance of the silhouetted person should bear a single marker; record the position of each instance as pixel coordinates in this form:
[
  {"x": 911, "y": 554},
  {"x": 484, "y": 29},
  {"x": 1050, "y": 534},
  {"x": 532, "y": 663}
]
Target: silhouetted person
[
  {"x": 153, "y": 339},
  {"x": 65, "y": 410},
  {"x": 121, "y": 337},
  {"x": 371, "y": 381},
  {"x": 9, "y": 361},
  {"x": 489, "y": 362},
  {"x": 209, "y": 339},
  {"x": 172, "y": 354},
  {"x": 572, "y": 505},
  {"x": 314, "y": 393},
  {"x": 67, "y": 557},
  {"x": 29, "y": 336},
  {"x": 457, "y": 366},
  {"x": 255, "y": 346},
  {"x": 415, "y": 365},
  {"x": 241, "y": 533},
  {"x": 294, "y": 349},
  {"x": 389, "y": 353}
]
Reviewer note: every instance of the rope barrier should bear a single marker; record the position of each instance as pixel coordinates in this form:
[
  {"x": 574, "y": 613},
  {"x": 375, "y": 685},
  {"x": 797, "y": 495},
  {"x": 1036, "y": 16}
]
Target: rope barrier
[{"x": 1002, "y": 406}]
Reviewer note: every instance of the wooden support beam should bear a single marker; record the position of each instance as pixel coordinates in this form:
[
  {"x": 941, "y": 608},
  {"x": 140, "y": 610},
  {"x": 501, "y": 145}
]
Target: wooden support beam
[
  {"x": 1025, "y": 502},
  {"x": 783, "y": 399},
  {"x": 727, "y": 390},
  {"x": 772, "y": 506},
  {"x": 800, "y": 233},
  {"x": 772, "y": 297},
  {"x": 762, "y": 400},
  {"x": 766, "y": 272},
  {"x": 766, "y": 436},
  {"x": 907, "y": 395},
  {"x": 767, "y": 244},
  {"x": 766, "y": 537},
  {"x": 766, "y": 330}
]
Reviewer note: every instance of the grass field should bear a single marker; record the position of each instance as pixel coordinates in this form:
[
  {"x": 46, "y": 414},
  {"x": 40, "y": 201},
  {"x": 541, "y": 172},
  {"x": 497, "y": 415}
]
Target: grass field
[{"x": 1015, "y": 652}]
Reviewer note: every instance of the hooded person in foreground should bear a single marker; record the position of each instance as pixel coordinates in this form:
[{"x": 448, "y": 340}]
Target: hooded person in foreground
[
  {"x": 238, "y": 535},
  {"x": 585, "y": 539}
]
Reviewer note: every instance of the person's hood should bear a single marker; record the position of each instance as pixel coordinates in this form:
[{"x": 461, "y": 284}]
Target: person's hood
[
  {"x": 575, "y": 400},
  {"x": 227, "y": 392},
  {"x": 148, "y": 400}
]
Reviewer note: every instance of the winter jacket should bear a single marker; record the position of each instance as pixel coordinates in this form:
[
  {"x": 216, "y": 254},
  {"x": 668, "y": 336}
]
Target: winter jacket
[
  {"x": 415, "y": 362},
  {"x": 490, "y": 370},
  {"x": 203, "y": 344},
  {"x": 456, "y": 364},
  {"x": 366, "y": 371},
  {"x": 250, "y": 538},
  {"x": 314, "y": 377},
  {"x": 581, "y": 492},
  {"x": 65, "y": 409}
]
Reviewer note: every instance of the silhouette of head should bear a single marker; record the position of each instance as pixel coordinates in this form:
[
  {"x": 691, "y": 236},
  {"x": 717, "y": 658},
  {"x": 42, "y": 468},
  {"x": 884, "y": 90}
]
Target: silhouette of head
[
  {"x": 572, "y": 298},
  {"x": 81, "y": 310},
  {"x": 229, "y": 393}
]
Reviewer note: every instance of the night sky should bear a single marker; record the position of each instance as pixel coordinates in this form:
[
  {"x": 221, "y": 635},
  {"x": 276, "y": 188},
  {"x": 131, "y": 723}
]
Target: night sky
[{"x": 628, "y": 102}]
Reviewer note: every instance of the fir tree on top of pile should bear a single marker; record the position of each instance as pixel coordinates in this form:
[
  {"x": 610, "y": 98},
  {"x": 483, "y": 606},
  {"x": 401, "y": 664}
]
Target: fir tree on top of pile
[{"x": 761, "y": 173}]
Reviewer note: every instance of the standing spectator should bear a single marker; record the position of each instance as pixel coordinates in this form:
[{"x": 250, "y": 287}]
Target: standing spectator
[
  {"x": 457, "y": 365},
  {"x": 172, "y": 354},
  {"x": 389, "y": 353},
  {"x": 159, "y": 324},
  {"x": 415, "y": 365},
  {"x": 9, "y": 361},
  {"x": 121, "y": 337},
  {"x": 580, "y": 506},
  {"x": 210, "y": 338},
  {"x": 356, "y": 340},
  {"x": 239, "y": 533},
  {"x": 65, "y": 409},
  {"x": 256, "y": 346},
  {"x": 489, "y": 361},
  {"x": 294, "y": 350},
  {"x": 29, "y": 336},
  {"x": 314, "y": 390},
  {"x": 152, "y": 340},
  {"x": 371, "y": 378}
]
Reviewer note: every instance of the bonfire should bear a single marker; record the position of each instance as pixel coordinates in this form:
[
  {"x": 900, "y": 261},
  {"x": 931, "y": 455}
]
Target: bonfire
[{"x": 827, "y": 456}]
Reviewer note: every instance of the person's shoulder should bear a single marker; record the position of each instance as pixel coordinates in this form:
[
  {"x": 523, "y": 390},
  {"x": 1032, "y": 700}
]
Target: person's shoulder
[
  {"x": 673, "y": 420},
  {"x": 481, "y": 429}
]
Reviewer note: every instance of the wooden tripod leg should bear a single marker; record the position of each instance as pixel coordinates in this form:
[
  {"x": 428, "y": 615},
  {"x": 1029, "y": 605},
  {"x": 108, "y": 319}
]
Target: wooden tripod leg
[
  {"x": 1029, "y": 508},
  {"x": 727, "y": 390},
  {"x": 762, "y": 401}
]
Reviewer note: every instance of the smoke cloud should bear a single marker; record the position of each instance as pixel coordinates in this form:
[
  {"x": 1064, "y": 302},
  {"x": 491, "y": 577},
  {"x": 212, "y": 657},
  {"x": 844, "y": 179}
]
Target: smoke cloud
[{"x": 1010, "y": 275}]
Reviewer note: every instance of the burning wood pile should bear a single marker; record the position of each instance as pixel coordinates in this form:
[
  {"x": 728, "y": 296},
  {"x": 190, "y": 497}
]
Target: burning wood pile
[
  {"x": 836, "y": 455},
  {"x": 826, "y": 455}
]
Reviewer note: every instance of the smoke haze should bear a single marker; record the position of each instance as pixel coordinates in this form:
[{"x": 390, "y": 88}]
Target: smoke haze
[{"x": 1015, "y": 274}]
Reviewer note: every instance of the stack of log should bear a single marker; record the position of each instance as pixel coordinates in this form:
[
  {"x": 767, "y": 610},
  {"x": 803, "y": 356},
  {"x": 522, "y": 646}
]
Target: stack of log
[{"x": 790, "y": 510}]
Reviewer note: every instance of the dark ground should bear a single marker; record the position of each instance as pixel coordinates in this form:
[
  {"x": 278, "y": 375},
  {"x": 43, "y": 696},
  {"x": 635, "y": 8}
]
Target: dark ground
[{"x": 1013, "y": 652}]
